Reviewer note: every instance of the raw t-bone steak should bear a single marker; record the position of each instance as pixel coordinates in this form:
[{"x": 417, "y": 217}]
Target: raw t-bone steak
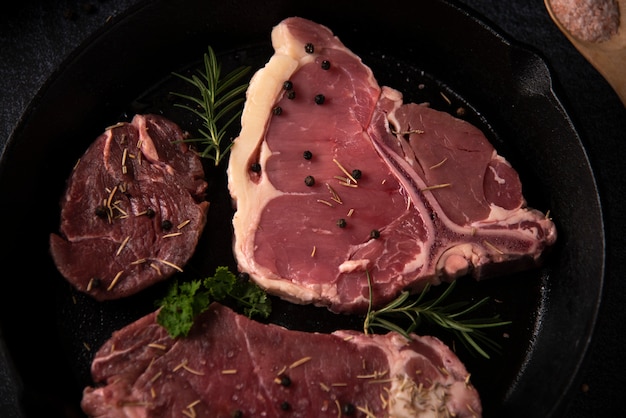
[
  {"x": 133, "y": 210},
  {"x": 335, "y": 179},
  {"x": 231, "y": 366}
]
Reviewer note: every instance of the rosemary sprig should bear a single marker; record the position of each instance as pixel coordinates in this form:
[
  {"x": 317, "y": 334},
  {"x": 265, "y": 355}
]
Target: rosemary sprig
[
  {"x": 451, "y": 318},
  {"x": 218, "y": 99}
]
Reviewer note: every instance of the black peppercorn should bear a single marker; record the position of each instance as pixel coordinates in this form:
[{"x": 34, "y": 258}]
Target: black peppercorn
[
  {"x": 319, "y": 99},
  {"x": 309, "y": 180},
  {"x": 356, "y": 174},
  {"x": 277, "y": 110},
  {"x": 285, "y": 406},
  {"x": 166, "y": 225},
  {"x": 96, "y": 282},
  {"x": 325, "y": 65},
  {"x": 287, "y": 85},
  {"x": 291, "y": 94},
  {"x": 375, "y": 234},
  {"x": 285, "y": 380},
  {"x": 348, "y": 409},
  {"x": 309, "y": 48},
  {"x": 341, "y": 223},
  {"x": 101, "y": 211},
  {"x": 150, "y": 213},
  {"x": 243, "y": 277},
  {"x": 255, "y": 167},
  {"x": 238, "y": 414},
  {"x": 307, "y": 155}
]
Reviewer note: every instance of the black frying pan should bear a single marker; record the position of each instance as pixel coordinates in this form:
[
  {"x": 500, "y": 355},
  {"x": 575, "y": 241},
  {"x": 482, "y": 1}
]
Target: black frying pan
[{"x": 51, "y": 331}]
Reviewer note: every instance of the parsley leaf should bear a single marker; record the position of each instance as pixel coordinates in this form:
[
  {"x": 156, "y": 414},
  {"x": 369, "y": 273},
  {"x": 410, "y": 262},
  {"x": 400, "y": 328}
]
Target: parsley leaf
[
  {"x": 185, "y": 301},
  {"x": 253, "y": 300},
  {"x": 221, "y": 284}
]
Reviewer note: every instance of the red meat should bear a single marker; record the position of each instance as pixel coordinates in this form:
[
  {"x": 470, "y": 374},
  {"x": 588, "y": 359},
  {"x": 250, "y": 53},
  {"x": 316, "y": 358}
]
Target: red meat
[
  {"x": 230, "y": 366},
  {"x": 430, "y": 199},
  {"x": 133, "y": 210}
]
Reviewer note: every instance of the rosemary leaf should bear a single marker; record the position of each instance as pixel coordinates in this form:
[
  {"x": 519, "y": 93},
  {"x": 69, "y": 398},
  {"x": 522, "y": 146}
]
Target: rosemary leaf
[
  {"x": 451, "y": 318},
  {"x": 390, "y": 326},
  {"x": 218, "y": 104}
]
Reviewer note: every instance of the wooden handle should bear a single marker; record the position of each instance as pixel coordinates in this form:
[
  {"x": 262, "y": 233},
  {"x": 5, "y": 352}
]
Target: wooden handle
[{"x": 607, "y": 57}]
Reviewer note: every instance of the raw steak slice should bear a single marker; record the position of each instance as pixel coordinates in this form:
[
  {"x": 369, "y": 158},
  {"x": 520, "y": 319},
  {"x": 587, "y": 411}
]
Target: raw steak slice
[
  {"x": 430, "y": 199},
  {"x": 232, "y": 366},
  {"x": 133, "y": 210}
]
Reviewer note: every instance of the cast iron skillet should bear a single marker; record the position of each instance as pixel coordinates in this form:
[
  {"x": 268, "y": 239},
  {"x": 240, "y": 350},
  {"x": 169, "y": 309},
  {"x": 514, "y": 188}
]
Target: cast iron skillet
[{"x": 431, "y": 50}]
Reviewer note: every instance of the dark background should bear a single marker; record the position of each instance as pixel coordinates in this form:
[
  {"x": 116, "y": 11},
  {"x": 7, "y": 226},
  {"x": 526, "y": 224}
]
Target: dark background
[{"x": 36, "y": 35}]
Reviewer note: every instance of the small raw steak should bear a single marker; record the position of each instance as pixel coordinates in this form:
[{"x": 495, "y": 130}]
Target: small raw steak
[
  {"x": 231, "y": 366},
  {"x": 337, "y": 181},
  {"x": 133, "y": 210}
]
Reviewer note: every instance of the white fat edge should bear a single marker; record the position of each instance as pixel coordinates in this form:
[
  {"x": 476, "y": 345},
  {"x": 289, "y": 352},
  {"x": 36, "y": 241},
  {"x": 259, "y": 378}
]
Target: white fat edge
[
  {"x": 417, "y": 263},
  {"x": 107, "y": 148},
  {"x": 498, "y": 214},
  {"x": 285, "y": 44},
  {"x": 246, "y": 219},
  {"x": 396, "y": 97},
  {"x": 474, "y": 254},
  {"x": 100, "y": 395},
  {"x": 146, "y": 144},
  {"x": 496, "y": 177},
  {"x": 502, "y": 216},
  {"x": 410, "y": 401},
  {"x": 300, "y": 293},
  {"x": 263, "y": 92},
  {"x": 407, "y": 398},
  {"x": 350, "y": 266}
]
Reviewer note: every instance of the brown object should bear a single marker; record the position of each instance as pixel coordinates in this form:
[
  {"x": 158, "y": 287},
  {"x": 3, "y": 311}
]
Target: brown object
[
  {"x": 598, "y": 33},
  {"x": 588, "y": 20}
]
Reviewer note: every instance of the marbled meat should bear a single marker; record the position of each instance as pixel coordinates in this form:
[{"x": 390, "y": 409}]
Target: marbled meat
[
  {"x": 133, "y": 210},
  {"x": 231, "y": 366},
  {"x": 338, "y": 183}
]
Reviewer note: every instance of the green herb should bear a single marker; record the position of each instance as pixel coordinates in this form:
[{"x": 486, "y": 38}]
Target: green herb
[
  {"x": 452, "y": 318},
  {"x": 219, "y": 98},
  {"x": 181, "y": 305},
  {"x": 185, "y": 301}
]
